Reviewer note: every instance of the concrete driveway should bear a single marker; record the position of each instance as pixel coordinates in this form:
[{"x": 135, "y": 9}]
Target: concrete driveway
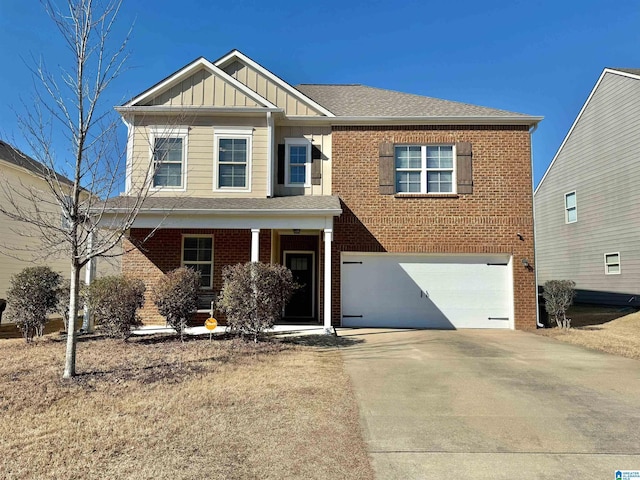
[{"x": 475, "y": 404}]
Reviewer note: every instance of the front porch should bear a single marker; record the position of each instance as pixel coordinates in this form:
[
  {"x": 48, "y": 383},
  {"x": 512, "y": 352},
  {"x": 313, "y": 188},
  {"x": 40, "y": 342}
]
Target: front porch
[{"x": 294, "y": 231}]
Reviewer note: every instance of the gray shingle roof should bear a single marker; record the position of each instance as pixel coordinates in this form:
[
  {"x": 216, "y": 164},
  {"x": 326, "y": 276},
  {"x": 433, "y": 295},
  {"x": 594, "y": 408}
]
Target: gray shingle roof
[
  {"x": 293, "y": 204},
  {"x": 363, "y": 101},
  {"x": 12, "y": 155},
  {"x": 634, "y": 71}
]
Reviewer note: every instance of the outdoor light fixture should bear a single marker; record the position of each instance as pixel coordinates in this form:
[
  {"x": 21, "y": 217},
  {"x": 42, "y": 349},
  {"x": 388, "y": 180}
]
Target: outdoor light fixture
[
  {"x": 296, "y": 231},
  {"x": 525, "y": 263},
  {"x": 520, "y": 236}
]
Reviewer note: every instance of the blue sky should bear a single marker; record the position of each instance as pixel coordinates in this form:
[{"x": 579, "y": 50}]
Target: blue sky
[{"x": 537, "y": 57}]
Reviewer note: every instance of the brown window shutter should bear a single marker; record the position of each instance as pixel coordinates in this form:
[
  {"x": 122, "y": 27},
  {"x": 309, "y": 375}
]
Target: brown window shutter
[
  {"x": 464, "y": 171},
  {"x": 386, "y": 169},
  {"x": 316, "y": 165},
  {"x": 281, "y": 164}
]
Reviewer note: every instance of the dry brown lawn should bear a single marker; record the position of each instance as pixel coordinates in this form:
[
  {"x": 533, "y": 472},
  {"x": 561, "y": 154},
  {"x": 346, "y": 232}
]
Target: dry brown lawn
[
  {"x": 156, "y": 408},
  {"x": 620, "y": 336}
]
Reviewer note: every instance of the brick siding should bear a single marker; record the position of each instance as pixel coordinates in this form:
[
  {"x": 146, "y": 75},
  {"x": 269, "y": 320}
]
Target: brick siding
[
  {"x": 485, "y": 221},
  {"x": 161, "y": 253}
]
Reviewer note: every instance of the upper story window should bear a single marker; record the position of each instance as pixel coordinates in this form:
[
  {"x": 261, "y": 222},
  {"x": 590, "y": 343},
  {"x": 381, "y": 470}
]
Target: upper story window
[
  {"x": 424, "y": 169},
  {"x": 197, "y": 253},
  {"x": 233, "y": 159},
  {"x": 570, "y": 207},
  {"x": 169, "y": 152},
  {"x": 297, "y": 162},
  {"x": 612, "y": 263}
]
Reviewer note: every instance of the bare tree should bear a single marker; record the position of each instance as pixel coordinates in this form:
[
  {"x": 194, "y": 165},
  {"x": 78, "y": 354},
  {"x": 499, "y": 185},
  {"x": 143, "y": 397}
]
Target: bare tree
[{"x": 70, "y": 102}]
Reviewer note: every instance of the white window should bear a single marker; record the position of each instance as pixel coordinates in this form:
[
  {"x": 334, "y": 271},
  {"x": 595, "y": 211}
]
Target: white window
[
  {"x": 232, "y": 159},
  {"x": 425, "y": 169},
  {"x": 570, "y": 207},
  {"x": 169, "y": 155},
  {"x": 197, "y": 253},
  {"x": 297, "y": 162},
  {"x": 612, "y": 263}
]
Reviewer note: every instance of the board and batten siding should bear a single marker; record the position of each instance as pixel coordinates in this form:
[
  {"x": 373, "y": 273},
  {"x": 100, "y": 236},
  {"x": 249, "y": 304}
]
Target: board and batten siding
[
  {"x": 320, "y": 137},
  {"x": 203, "y": 88},
  {"x": 266, "y": 88},
  {"x": 599, "y": 161},
  {"x": 200, "y": 153}
]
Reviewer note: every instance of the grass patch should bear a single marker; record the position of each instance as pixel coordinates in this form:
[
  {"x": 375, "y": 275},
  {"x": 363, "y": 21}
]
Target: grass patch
[
  {"x": 158, "y": 408},
  {"x": 620, "y": 336}
]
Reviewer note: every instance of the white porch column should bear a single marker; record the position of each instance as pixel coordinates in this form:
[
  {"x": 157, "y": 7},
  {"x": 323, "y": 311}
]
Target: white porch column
[
  {"x": 89, "y": 276},
  {"x": 328, "y": 238},
  {"x": 255, "y": 244}
]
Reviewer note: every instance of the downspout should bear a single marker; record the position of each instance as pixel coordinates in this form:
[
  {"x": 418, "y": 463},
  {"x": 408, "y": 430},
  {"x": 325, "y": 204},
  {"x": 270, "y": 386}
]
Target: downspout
[
  {"x": 129, "y": 157},
  {"x": 270, "y": 133},
  {"x": 533, "y": 205}
]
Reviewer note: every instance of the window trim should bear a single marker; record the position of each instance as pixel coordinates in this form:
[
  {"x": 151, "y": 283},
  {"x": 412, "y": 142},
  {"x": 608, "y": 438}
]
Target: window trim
[
  {"x": 168, "y": 131},
  {"x": 182, "y": 262},
  {"x": 607, "y": 265},
  {"x": 566, "y": 208},
  {"x": 424, "y": 170},
  {"x": 307, "y": 165},
  {"x": 232, "y": 133}
]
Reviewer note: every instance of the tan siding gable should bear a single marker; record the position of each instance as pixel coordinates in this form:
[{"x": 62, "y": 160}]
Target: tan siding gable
[
  {"x": 202, "y": 88},
  {"x": 266, "y": 88}
]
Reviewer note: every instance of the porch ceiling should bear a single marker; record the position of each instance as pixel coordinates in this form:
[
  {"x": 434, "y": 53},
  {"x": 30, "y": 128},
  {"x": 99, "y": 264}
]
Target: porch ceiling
[{"x": 304, "y": 212}]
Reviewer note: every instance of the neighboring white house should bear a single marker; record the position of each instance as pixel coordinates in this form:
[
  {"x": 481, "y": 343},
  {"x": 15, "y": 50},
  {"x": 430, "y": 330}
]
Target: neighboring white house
[
  {"x": 587, "y": 205},
  {"x": 19, "y": 243}
]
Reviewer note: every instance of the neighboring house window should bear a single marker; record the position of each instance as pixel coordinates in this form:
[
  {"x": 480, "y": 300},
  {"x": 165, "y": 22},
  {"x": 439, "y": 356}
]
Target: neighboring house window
[
  {"x": 169, "y": 157},
  {"x": 570, "y": 207},
  {"x": 233, "y": 159},
  {"x": 65, "y": 220},
  {"x": 197, "y": 253},
  {"x": 612, "y": 263},
  {"x": 297, "y": 162},
  {"x": 424, "y": 168}
]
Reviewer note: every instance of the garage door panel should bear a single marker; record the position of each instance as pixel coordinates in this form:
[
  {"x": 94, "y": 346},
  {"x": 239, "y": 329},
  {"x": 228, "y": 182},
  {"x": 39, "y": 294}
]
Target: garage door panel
[{"x": 420, "y": 291}]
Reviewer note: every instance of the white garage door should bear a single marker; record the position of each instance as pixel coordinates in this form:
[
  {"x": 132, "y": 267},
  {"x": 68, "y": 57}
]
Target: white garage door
[{"x": 426, "y": 291}]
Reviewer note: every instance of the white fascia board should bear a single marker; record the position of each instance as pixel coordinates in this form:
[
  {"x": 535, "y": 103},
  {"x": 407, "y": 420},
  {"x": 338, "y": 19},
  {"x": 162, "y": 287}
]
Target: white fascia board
[
  {"x": 302, "y": 222},
  {"x": 621, "y": 73},
  {"x": 195, "y": 110},
  {"x": 186, "y": 71},
  {"x": 575, "y": 122},
  {"x": 236, "y": 54},
  {"x": 426, "y": 120},
  {"x": 231, "y": 212}
]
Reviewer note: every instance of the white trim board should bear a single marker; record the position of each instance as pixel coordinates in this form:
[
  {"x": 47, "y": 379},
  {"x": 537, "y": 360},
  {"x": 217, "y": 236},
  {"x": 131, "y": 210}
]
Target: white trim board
[
  {"x": 188, "y": 70},
  {"x": 238, "y": 55}
]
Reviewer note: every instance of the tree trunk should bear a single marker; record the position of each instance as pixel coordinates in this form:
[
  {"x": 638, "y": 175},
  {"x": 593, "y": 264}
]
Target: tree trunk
[{"x": 70, "y": 358}]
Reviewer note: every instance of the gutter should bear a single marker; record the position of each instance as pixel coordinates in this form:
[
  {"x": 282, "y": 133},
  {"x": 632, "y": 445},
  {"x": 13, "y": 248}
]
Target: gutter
[
  {"x": 430, "y": 120},
  {"x": 234, "y": 212},
  {"x": 535, "y": 253},
  {"x": 194, "y": 110}
]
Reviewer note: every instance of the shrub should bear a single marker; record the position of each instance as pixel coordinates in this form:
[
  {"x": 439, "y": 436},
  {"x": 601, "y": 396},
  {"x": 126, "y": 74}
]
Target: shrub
[
  {"x": 176, "y": 296},
  {"x": 114, "y": 301},
  {"x": 253, "y": 296},
  {"x": 62, "y": 305},
  {"x": 32, "y": 296},
  {"x": 558, "y": 296}
]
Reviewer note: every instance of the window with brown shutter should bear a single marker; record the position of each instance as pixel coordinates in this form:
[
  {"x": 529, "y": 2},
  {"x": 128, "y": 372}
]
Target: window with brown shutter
[
  {"x": 386, "y": 169},
  {"x": 464, "y": 167}
]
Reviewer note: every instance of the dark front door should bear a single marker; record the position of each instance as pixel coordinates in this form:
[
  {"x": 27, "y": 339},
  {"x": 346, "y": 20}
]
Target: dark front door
[{"x": 301, "y": 303}]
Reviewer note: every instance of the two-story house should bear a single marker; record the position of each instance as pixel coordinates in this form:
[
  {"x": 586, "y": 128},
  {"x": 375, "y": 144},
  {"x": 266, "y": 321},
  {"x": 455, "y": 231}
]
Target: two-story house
[
  {"x": 587, "y": 225},
  {"x": 391, "y": 209}
]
